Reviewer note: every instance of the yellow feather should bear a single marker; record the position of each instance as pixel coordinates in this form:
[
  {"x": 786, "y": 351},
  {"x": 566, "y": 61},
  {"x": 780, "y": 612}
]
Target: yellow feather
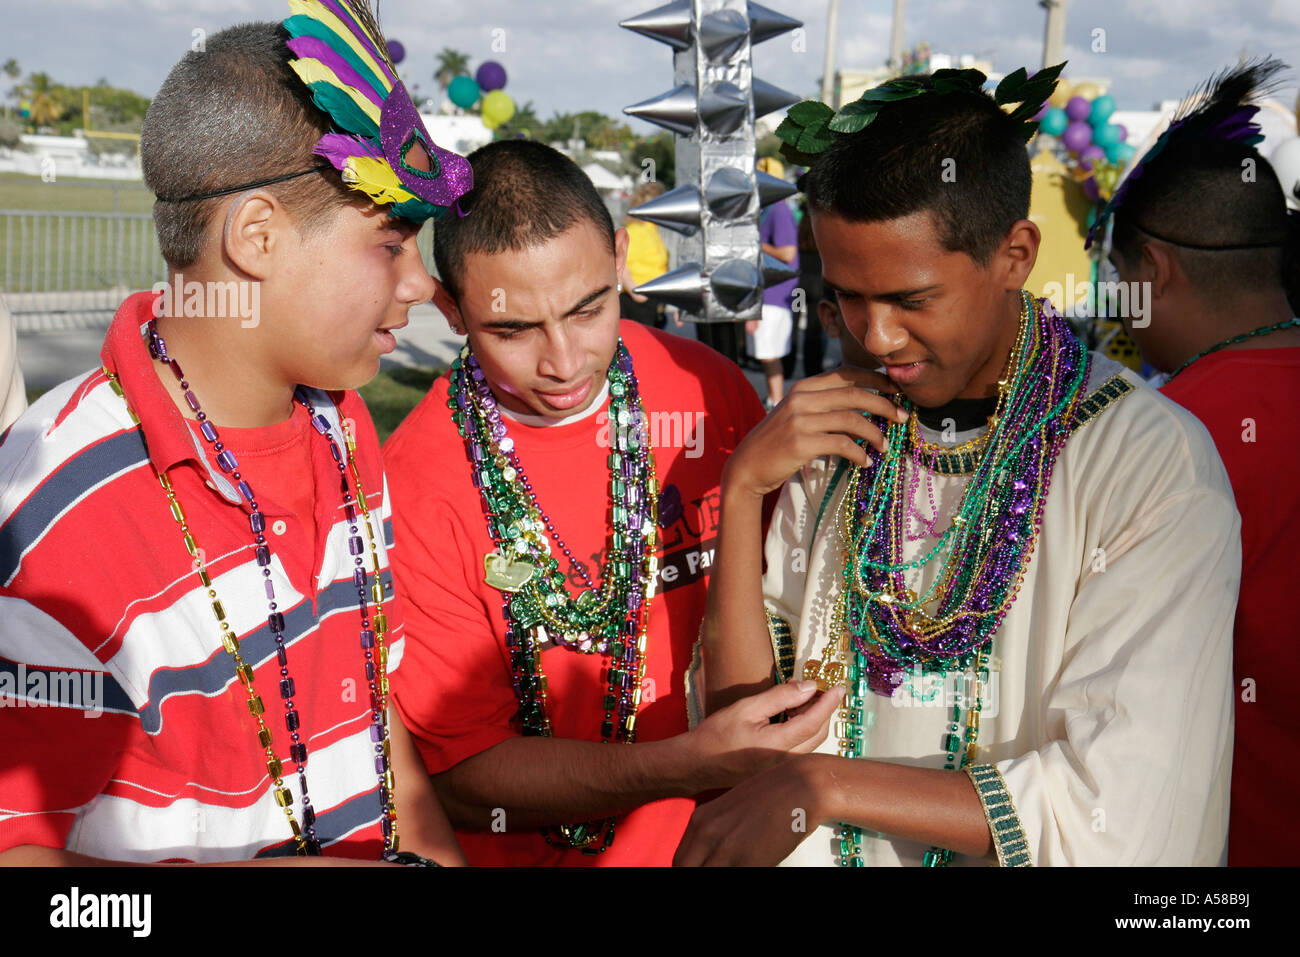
[
  {"x": 377, "y": 180},
  {"x": 317, "y": 11},
  {"x": 313, "y": 71}
]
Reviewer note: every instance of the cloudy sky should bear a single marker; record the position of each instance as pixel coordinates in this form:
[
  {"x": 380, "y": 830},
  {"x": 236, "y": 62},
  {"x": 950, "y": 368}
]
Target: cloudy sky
[{"x": 570, "y": 55}]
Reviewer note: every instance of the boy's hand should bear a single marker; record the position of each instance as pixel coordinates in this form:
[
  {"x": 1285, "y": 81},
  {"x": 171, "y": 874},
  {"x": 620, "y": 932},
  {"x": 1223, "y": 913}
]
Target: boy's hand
[
  {"x": 758, "y": 822},
  {"x": 739, "y": 740},
  {"x": 819, "y": 416}
]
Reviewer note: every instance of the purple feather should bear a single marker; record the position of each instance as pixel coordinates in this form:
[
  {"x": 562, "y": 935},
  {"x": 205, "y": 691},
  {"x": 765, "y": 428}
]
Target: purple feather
[
  {"x": 348, "y": 18},
  {"x": 313, "y": 48},
  {"x": 338, "y": 148}
]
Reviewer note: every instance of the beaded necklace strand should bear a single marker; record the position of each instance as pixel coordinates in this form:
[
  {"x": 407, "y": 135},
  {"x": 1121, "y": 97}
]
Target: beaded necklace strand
[
  {"x": 373, "y": 627},
  {"x": 1232, "y": 341},
  {"x": 611, "y": 620}
]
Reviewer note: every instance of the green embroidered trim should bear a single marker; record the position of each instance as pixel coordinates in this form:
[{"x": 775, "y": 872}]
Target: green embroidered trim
[
  {"x": 778, "y": 630},
  {"x": 1000, "y": 811},
  {"x": 1106, "y": 395}
]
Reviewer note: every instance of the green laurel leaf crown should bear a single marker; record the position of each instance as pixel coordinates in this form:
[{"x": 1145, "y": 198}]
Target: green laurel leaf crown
[{"x": 810, "y": 127}]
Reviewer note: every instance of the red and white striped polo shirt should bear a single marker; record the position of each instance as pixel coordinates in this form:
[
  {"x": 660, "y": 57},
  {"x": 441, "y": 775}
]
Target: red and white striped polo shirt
[{"x": 124, "y": 732}]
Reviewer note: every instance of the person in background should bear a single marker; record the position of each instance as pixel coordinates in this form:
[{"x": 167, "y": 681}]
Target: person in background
[
  {"x": 769, "y": 338},
  {"x": 13, "y": 394},
  {"x": 1211, "y": 246},
  {"x": 647, "y": 258}
]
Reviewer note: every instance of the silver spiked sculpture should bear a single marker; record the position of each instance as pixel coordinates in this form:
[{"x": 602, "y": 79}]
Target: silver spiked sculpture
[{"x": 711, "y": 109}]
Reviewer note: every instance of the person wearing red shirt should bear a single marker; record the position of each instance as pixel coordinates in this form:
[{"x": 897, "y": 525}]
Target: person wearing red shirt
[
  {"x": 571, "y": 620},
  {"x": 1211, "y": 244},
  {"x": 194, "y": 538}
]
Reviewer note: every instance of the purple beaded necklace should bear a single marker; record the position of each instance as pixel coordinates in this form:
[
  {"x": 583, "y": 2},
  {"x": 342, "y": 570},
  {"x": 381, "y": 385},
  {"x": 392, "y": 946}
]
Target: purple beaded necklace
[{"x": 373, "y": 628}]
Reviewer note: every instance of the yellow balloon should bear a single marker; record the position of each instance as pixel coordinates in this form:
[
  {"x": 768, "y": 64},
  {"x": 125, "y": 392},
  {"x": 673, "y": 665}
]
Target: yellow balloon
[
  {"x": 1061, "y": 95},
  {"x": 498, "y": 108},
  {"x": 1089, "y": 91}
]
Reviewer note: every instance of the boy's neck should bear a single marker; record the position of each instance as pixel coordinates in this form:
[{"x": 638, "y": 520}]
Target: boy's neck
[{"x": 222, "y": 365}]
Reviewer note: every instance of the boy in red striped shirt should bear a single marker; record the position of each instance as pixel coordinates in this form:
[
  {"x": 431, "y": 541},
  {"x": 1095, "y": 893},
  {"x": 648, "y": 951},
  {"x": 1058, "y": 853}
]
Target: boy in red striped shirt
[{"x": 194, "y": 539}]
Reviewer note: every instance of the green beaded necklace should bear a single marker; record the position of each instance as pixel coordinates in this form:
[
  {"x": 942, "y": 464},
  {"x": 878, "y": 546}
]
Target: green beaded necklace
[{"x": 1233, "y": 341}]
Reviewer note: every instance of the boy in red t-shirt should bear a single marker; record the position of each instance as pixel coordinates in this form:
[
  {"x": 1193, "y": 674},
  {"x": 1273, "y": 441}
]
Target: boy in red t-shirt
[
  {"x": 557, "y": 512},
  {"x": 1209, "y": 242},
  {"x": 194, "y": 538}
]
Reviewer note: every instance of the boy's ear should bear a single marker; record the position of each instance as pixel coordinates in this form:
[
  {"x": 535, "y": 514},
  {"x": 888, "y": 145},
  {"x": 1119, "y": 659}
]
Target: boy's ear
[
  {"x": 253, "y": 231},
  {"x": 1160, "y": 267},
  {"x": 442, "y": 299},
  {"x": 620, "y": 250},
  {"x": 1019, "y": 252}
]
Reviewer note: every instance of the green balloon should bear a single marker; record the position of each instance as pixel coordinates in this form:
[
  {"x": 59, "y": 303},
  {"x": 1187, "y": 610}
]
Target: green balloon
[
  {"x": 463, "y": 91},
  {"x": 1106, "y": 135},
  {"x": 1054, "y": 121}
]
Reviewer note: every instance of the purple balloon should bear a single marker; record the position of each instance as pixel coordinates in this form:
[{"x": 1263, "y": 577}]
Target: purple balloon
[
  {"x": 396, "y": 51},
  {"x": 1091, "y": 189},
  {"x": 1078, "y": 108},
  {"x": 491, "y": 76},
  {"x": 1091, "y": 154},
  {"x": 1123, "y": 132},
  {"x": 1076, "y": 136},
  {"x": 1042, "y": 111}
]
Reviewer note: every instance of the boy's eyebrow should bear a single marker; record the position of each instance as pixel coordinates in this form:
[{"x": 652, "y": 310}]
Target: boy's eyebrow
[
  {"x": 588, "y": 300},
  {"x": 894, "y": 294},
  {"x": 516, "y": 325}
]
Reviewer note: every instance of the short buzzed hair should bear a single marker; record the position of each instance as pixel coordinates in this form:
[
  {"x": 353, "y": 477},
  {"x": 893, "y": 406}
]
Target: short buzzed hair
[
  {"x": 1201, "y": 195},
  {"x": 230, "y": 114},
  {"x": 897, "y": 165},
  {"x": 525, "y": 193}
]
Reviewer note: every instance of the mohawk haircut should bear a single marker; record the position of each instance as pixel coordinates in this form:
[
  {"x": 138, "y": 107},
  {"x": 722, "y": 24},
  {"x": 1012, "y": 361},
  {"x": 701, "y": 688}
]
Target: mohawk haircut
[
  {"x": 1205, "y": 185},
  {"x": 525, "y": 193},
  {"x": 230, "y": 114},
  {"x": 958, "y": 156}
]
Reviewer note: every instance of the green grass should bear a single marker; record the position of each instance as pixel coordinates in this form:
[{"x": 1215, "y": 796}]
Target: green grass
[
  {"x": 390, "y": 396},
  {"x": 73, "y": 195},
  {"x": 393, "y": 393}
]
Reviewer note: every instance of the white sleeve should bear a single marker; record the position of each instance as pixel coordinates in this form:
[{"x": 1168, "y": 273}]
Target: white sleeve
[{"x": 1141, "y": 717}]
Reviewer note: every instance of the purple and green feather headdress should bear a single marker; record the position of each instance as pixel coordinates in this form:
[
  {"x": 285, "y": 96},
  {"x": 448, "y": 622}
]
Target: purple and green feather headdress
[
  {"x": 382, "y": 148},
  {"x": 1221, "y": 109}
]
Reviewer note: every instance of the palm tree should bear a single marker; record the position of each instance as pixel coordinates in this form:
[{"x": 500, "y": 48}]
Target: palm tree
[
  {"x": 451, "y": 64},
  {"x": 12, "y": 70},
  {"x": 46, "y": 107}
]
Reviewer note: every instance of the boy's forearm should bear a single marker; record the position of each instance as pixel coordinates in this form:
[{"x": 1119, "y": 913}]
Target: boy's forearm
[
  {"x": 538, "y": 782},
  {"x": 737, "y": 649},
  {"x": 422, "y": 823},
  {"x": 919, "y": 804}
]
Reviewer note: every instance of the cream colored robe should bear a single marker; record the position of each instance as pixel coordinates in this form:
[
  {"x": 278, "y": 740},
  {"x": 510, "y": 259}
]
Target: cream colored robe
[
  {"x": 1109, "y": 713},
  {"x": 13, "y": 395}
]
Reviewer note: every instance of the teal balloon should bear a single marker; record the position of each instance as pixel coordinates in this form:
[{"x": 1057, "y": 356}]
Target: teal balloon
[
  {"x": 1102, "y": 107},
  {"x": 1106, "y": 135},
  {"x": 1119, "y": 153},
  {"x": 1054, "y": 121},
  {"x": 463, "y": 91}
]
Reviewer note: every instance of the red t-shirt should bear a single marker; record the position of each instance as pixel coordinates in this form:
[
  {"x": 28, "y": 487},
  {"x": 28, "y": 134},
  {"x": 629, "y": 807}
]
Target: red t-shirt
[
  {"x": 454, "y": 689},
  {"x": 1248, "y": 400}
]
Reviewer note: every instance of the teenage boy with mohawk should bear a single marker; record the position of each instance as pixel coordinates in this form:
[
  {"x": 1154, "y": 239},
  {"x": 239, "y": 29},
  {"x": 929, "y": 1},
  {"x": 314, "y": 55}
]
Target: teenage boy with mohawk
[
  {"x": 202, "y": 526},
  {"x": 987, "y": 564}
]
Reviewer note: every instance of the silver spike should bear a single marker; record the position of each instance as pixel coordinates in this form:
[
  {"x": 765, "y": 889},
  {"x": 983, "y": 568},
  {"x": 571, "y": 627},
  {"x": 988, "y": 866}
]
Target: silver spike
[
  {"x": 775, "y": 271},
  {"x": 769, "y": 98},
  {"x": 724, "y": 107},
  {"x": 766, "y": 24},
  {"x": 723, "y": 33},
  {"x": 676, "y": 110},
  {"x": 729, "y": 193},
  {"x": 772, "y": 188},
  {"x": 678, "y": 209},
  {"x": 670, "y": 24},
  {"x": 683, "y": 287},
  {"x": 736, "y": 284}
]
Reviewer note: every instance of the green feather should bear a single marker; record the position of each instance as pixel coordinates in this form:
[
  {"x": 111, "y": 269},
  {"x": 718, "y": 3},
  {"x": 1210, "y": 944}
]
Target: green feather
[
  {"x": 343, "y": 111},
  {"x": 300, "y": 25}
]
